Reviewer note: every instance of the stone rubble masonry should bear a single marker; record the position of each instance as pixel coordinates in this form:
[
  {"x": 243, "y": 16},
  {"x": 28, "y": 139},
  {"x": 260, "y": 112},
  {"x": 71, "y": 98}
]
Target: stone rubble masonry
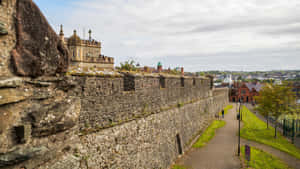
[
  {"x": 110, "y": 101},
  {"x": 92, "y": 121},
  {"x": 7, "y": 41},
  {"x": 146, "y": 141}
]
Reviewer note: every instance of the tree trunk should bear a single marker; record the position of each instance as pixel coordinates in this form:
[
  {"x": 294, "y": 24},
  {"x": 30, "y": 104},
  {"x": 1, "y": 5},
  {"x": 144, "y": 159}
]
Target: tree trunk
[
  {"x": 267, "y": 122},
  {"x": 275, "y": 129}
]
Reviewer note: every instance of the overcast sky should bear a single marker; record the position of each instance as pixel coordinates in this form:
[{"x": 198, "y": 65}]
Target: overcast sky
[{"x": 196, "y": 34}]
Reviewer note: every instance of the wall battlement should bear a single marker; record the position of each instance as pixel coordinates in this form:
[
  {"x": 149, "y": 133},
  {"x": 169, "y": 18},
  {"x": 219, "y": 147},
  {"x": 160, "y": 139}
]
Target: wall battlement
[{"x": 108, "y": 101}]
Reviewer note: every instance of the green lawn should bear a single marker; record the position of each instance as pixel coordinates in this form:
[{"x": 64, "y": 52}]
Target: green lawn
[
  {"x": 260, "y": 159},
  {"x": 226, "y": 109},
  {"x": 178, "y": 167},
  {"x": 256, "y": 130},
  {"x": 209, "y": 133}
]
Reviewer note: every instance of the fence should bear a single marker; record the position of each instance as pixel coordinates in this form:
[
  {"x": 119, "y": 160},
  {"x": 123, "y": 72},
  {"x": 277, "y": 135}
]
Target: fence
[{"x": 290, "y": 127}]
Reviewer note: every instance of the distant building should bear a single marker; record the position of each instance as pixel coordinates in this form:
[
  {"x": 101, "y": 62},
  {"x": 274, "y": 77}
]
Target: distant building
[
  {"x": 296, "y": 89},
  {"x": 228, "y": 80},
  {"x": 86, "y": 53},
  {"x": 244, "y": 92}
]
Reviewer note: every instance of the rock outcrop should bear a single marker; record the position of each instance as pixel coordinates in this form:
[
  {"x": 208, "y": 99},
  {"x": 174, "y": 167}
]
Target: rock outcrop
[{"x": 38, "y": 50}]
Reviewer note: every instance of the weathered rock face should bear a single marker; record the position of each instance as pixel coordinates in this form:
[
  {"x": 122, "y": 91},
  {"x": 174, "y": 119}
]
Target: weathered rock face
[
  {"x": 20, "y": 155},
  {"x": 55, "y": 117},
  {"x": 38, "y": 50},
  {"x": 36, "y": 117},
  {"x": 7, "y": 35}
]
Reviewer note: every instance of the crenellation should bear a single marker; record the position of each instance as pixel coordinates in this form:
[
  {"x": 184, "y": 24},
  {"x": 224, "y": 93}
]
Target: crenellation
[{"x": 130, "y": 94}]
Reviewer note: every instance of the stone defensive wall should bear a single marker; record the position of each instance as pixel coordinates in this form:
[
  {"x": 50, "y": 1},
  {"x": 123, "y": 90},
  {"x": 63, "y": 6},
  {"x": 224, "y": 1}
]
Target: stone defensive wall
[
  {"x": 124, "y": 121},
  {"x": 135, "y": 121},
  {"x": 107, "y": 101}
]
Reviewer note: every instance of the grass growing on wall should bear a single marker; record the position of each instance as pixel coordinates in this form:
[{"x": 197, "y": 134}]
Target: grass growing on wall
[
  {"x": 260, "y": 159},
  {"x": 256, "y": 130},
  {"x": 178, "y": 167},
  {"x": 209, "y": 133},
  {"x": 226, "y": 109}
]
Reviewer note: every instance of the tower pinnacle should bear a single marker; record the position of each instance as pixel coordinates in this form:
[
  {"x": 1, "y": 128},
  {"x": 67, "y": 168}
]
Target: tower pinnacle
[
  {"x": 61, "y": 33},
  {"x": 90, "y": 35}
]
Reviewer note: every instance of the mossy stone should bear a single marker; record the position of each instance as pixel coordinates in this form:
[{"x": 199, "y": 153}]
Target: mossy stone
[{"x": 3, "y": 31}]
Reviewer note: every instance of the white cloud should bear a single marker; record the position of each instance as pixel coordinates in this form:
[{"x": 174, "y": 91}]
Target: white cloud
[{"x": 206, "y": 34}]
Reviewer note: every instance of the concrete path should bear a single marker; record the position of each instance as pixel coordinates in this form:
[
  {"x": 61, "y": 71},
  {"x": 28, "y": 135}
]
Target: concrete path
[{"x": 220, "y": 152}]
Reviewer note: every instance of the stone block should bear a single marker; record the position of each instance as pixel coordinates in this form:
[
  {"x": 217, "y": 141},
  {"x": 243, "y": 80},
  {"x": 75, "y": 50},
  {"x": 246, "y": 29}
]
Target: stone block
[
  {"x": 20, "y": 155},
  {"x": 8, "y": 96},
  {"x": 10, "y": 82}
]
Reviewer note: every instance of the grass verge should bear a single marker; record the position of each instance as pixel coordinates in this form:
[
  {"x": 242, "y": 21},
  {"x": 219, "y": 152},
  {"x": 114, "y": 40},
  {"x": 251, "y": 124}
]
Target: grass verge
[
  {"x": 260, "y": 159},
  {"x": 256, "y": 130},
  {"x": 209, "y": 133},
  {"x": 226, "y": 109}
]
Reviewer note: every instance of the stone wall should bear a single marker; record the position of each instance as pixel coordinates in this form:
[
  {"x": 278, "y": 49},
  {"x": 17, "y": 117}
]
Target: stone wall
[
  {"x": 8, "y": 35},
  {"x": 80, "y": 121},
  {"x": 75, "y": 65},
  {"x": 110, "y": 101},
  {"x": 147, "y": 143},
  {"x": 118, "y": 131}
]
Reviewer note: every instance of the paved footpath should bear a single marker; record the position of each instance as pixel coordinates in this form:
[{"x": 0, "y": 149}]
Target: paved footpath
[{"x": 220, "y": 152}]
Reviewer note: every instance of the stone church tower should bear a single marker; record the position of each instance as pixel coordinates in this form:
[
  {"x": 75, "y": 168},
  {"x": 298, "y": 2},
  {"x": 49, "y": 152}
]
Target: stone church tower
[{"x": 86, "y": 53}]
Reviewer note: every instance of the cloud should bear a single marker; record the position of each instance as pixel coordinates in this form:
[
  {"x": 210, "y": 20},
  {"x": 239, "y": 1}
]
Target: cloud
[{"x": 199, "y": 35}]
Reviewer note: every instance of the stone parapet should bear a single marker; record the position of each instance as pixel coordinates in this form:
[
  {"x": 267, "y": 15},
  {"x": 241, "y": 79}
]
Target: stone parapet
[{"x": 107, "y": 101}]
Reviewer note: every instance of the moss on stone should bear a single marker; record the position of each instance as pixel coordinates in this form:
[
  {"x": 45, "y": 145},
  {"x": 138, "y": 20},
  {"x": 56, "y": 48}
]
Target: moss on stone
[{"x": 3, "y": 30}]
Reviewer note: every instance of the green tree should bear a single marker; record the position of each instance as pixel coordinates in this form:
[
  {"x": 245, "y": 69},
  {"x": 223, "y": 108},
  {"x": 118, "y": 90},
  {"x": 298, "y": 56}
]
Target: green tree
[
  {"x": 128, "y": 66},
  {"x": 276, "y": 100}
]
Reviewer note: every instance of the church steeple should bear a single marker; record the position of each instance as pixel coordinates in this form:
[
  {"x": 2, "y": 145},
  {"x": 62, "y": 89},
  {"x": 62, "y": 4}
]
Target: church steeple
[{"x": 61, "y": 34}]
